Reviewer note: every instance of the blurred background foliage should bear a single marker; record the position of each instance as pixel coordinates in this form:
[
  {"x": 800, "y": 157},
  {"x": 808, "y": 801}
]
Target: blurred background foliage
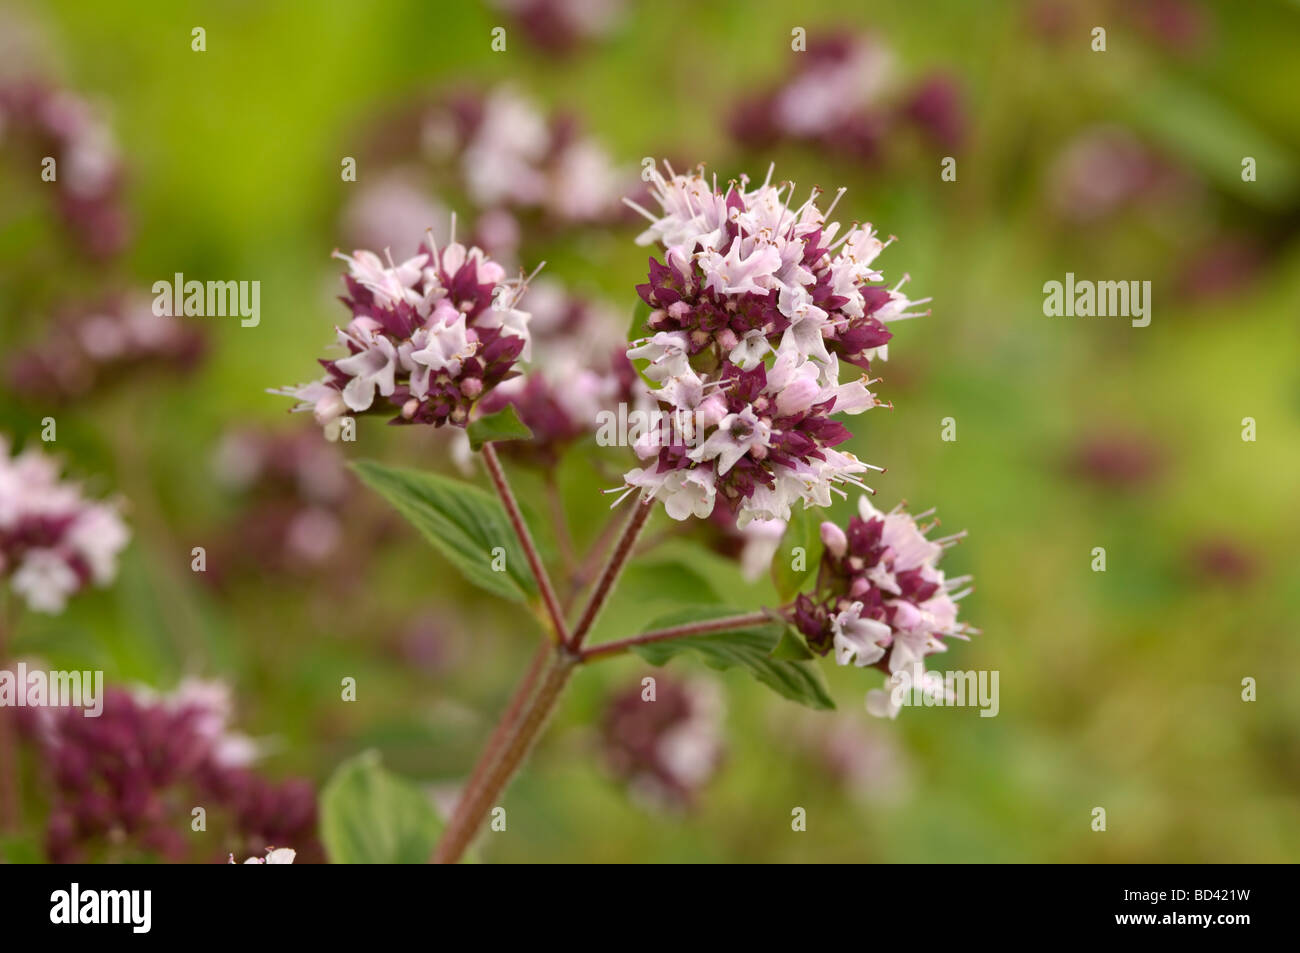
[{"x": 1119, "y": 689}]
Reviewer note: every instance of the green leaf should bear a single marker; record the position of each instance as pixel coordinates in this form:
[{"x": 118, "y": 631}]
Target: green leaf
[
  {"x": 371, "y": 816},
  {"x": 1212, "y": 136},
  {"x": 792, "y": 647},
  {"x": 20, "y": 849},
  {"x": 802, "y": 533},
  {"x": 751, "y": 649},
  {"x": 464, "y": 523},
  {"x": 494, "y": 428}
]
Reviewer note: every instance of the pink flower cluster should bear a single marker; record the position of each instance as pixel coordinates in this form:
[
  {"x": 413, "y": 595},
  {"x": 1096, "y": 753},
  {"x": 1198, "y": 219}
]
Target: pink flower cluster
[
  {"x": 53, "y": 540},
  {"x": 430, "y": 336},
  {"x": 752, "y": 309},
  {"x": 880, "y": 599},
  {"x": 293, "y": 492},
  {"x": 579, "y": 368},
  {"x": 509, "y": 156},
  {"x": 128, "y": 780},
  {"x": 843, "y": 96},
  {"x": 88, "y": 170},
  {"x": 665, "y": 748},
  {"x": 90, "y": 347},
  {"x": 560, "y": 26}
]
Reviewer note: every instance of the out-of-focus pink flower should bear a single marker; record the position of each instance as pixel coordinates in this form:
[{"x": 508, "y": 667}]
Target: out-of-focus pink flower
[
  {"x": 54, "y": 541},
  {"x": 935, "y": 104},
  {"x": 1107, "y": 170},
  {"x": 294, "y": 496},
  {"x": 861, "y": 758},
  {"x": 90, "y": 347},
  {"x": 128, "y": 779},
  {"x": 579, "y": 369},
  {"x": 1223, "y": 561},
  {"x": 510, "y": 155},
  {"x": 1116, "y": 460},
  {"x": 88, "y": 169},
  {"x": 754, "y": 544},
  {"x": 665, "y": 747},
  {"x": 1224, "y": 266},
  {"x": 844, "y": 96},
  {"x": 388, "y": 209},
  {"x": 561, "y": 26}
]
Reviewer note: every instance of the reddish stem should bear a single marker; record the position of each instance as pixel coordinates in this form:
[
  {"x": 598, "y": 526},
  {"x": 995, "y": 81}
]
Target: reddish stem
[
  {"x": 475, "y": 804},
  {"x": 677, "y": 632},
  {"x": 553, "y": 609},
  {"x": 605, "y": 585},
  {"x": 501, "y": 734}
]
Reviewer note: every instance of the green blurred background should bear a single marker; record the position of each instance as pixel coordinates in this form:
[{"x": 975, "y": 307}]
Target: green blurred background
[{"x": 1119, "y": 689}]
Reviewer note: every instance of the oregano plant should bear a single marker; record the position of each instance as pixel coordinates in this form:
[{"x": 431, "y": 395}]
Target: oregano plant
[{"x": 753, "y": 337}]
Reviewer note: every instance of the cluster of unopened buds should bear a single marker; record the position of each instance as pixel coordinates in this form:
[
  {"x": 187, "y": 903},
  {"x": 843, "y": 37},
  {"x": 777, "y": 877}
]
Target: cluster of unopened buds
[
  {"x": 53, "y": 540},
  {"x": 843, "y": 96},
  {"x": 755, "y": 305},
  {"x": 90, "y": 347},
  {"x": 128, "y": 778},
  {"x": 429, "y": 337},
  {"x": 880, "y": 599},
  {"x": 87, "y": 172}
]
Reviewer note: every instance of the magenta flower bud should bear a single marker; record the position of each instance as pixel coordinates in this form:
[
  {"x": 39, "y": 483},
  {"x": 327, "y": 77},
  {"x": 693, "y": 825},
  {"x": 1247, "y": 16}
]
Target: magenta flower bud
[{"x": 834, "y": 540}]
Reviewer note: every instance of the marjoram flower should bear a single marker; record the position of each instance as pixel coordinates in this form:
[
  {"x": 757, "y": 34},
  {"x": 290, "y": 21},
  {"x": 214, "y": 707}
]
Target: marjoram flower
[
  {"x": 751, "y": 312},
  {"x": 429, "y": 337},
  {"x": 880, "y": 599},
  {"x": 53, "y": 540}
]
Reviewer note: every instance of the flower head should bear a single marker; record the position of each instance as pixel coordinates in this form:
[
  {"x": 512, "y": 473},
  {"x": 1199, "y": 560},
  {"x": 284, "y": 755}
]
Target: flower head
[
  {"x": 126, "y": 780},
  {"x": 666, "y": 747},
  {"x": 91, "y": 346},
  {"x": 846, "y": 95},
  {"x": 429, "y": 336},
  {"x": 752, "y": 311},
  {"x": 881, "y": 599},
  {"x": 88, "y": 186},
  {"x": 747, "y": 267},
  {"x": 53, "y": 541}
]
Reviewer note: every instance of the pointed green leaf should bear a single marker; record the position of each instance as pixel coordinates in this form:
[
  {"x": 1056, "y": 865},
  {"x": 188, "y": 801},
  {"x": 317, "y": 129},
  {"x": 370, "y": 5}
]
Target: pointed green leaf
[
  {"x": 494, "y": 428},
  {"x": 751, "y": 649},
  {"x": 371, "y": 816},
  {"x": 800, "y": 546},
  {"x": 466, "y": 524}
]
